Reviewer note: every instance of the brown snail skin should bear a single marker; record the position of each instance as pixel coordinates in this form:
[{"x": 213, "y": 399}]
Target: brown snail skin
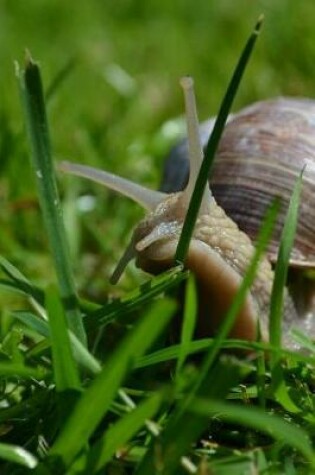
[{"x": 219, "y": 251}]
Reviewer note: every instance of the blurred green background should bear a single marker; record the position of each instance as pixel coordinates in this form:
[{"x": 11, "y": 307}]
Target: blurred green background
[{"x": 119, "y": 103}]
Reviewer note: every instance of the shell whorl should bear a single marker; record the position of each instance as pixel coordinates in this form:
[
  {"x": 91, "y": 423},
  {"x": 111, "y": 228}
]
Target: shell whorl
[{"x": 262, "y": 151}]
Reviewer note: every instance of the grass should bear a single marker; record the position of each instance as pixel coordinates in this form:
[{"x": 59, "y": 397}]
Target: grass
[{"x": 126, "y": 400}]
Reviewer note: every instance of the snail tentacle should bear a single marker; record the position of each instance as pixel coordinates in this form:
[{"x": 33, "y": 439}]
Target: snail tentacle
[
  {"x": 195, "y": 150},
  {"x": 145, "y": 197}
]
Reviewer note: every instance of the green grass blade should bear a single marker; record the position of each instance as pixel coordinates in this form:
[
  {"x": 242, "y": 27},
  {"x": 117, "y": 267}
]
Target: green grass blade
[
  {"x": 11, "y": 270},
  {"x": 261, "y": 378},
  {"x": 18, "y": 455},
  {"x": 138, "y": 297},
  {"x": 18, "y": 281},
  {"x": 37, "y": 128},
  {"x": 96, "y": 401},
  {"x": 189, "y": 322},
  {"x": 282, "y": 265},
  {"x": 34, "y": 322},
  {"x": 59, "y": 78},
  {"x": 66, "y": 374},
  {"x": 281, "y": 391},
  {"x": 182, "y": 428},
  {"x": 18, "y": 369},
  {"x": 212, "y": 145},
  {"x": 22, "y": 288},
  {"x": 118, "y": 435},
  {"x": 270, "y": 424},
  {"x": 81, "y": 354}
]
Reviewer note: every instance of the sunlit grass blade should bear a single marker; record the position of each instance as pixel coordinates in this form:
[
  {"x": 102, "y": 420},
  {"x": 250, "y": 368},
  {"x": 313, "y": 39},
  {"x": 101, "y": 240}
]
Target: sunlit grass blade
[
  {"x": 286, "y": 433},
  {"x": 183, "y": 428},
  {"x": 282, "y": 265},
  {"x": 66, "y": 374},
  {"x": 212, "y": 145},
  {"x": 37, "y": 128},
  {"x": 18, "y": 455},
  {"x": 189, "y": 322},
  {"x": 96, "y": 400}
]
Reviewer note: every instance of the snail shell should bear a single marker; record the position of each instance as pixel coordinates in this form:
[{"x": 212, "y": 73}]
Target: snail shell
[
  {"x": 262, "y": 151},
  {"x": 220, "y": 252}
]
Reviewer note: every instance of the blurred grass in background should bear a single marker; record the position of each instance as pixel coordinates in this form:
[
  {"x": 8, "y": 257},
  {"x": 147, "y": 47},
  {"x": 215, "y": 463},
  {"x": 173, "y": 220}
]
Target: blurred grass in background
[{"x": 118, "y": 106}]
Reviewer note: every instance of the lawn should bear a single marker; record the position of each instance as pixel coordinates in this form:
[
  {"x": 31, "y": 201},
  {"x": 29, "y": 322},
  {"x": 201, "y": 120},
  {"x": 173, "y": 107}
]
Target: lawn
[{"x": 91, "y": 380}]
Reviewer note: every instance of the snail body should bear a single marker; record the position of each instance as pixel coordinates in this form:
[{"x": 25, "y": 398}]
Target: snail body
[{"x": 219, "y": 251}]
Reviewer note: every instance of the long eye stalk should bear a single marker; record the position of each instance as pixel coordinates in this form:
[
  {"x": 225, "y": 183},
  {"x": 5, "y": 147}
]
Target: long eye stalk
[
  {"x": 148, "y": 199},
  {"x": 194, "y": 143}
]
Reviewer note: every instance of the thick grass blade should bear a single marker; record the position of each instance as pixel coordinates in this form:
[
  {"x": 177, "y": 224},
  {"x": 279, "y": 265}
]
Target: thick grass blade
[
  {"x": 18, "y": 455},
  {"x": 18, "y": 369},
  {"x": 37, "y": 128},
  {"x": 286, "y": 433},
  {"x": 212, "y": 145},
  {"x": 281, "y": 270},
  {"x": 96, "y": 401},
  {"x": 66, "y": 374}
]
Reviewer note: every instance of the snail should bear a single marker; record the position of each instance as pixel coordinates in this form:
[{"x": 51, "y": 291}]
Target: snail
[{"x": 258, "y": 158}]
